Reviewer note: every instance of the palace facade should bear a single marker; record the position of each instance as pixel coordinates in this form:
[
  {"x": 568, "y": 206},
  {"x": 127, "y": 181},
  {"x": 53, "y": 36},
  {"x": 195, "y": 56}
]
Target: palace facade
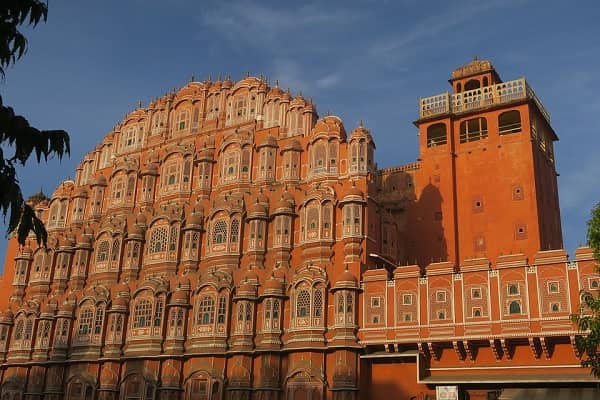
[{"x": 226, "y": 243}]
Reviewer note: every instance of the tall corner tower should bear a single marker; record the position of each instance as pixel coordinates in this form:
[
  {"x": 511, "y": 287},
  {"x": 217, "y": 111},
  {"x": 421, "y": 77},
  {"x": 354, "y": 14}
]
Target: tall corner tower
[{"x": 487, "y": 180}]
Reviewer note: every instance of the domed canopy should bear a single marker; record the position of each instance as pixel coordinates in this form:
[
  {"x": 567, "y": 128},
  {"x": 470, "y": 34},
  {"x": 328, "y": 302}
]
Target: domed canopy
[
  {"x": 354, "y": 195},
  {"x": 180, "y": 297},
  {"x": 269, "y": 141},
  {"x": 100, "y": 180},
  {"x": 347, "y": 280},
  {"x": 257, "y": 210}
]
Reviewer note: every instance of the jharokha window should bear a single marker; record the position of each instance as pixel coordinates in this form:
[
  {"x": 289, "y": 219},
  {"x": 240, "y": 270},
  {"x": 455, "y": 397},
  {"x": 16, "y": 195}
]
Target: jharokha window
[
  {"x": 148, "y": 314},
  {"x": 244, "y": 320},
  {"x": 235, "y": 164},
  {"x": 210, "y": 312},
  {"x": 307, "y": 310},
  {"x": 224, "y": 234},
  {"x": 295, "y": 121},
  {"x": 344, "y": 312},
  {"x": 162, "y": 243},
  {"x": 182, "y": 121},
  {"x": 129, "y": 138},
  {"x": 108, "y": 253},
  {"x": 176, "y": 175},
  {"x": 23, "y": 332},
  {"x": 323, "y": 157},
  {"x": 272, "y": 312},
  {"x": 317, "y": 221},
  {"x": 90, "y": 322}
]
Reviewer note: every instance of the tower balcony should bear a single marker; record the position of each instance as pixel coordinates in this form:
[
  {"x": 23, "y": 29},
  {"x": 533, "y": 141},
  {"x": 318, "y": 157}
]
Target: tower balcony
[{"x": 480, "y": 98}]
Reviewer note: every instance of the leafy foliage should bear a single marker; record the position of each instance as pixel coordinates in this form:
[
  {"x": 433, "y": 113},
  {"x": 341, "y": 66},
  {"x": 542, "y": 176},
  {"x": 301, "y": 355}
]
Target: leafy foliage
[
  {"x": 593, "y": 232},
  {"x": 15, "y": 131},
  {"x": 588, "y": 318}
]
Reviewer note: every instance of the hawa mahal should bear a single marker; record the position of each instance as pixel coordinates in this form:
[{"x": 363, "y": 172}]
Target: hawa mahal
[{"x": 227, "y": 243}]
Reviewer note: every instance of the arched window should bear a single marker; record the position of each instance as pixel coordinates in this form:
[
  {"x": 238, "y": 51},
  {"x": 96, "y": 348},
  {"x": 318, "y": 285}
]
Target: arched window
[
  {"x": 137, "y": 388},
  {"x": 219, "y": 232},
  {"x": 182, "y": 121},
  {"x": 319, "y": 160},
  {"x": 118, "y": 190},
  {"x": 19, "y": 330},
  {"x": 291, "y": 161},
  {"x": 303, "y": 303},
  {"x": 129, "y": 138},
  {"x": 472, "y": 84},
  {"x": 86, "y": 316},
  {"x": 513, "y": 289},
  {"x": 282, "y": 231},
  {"x": 206, "y": 313},
  {"x": 204, "y": 174},
  {"x": 272, "y": 113},
  {"x": 158, "y": 240},
  {"x": 99, "y": 320},
  {"x": 102, "y": 252},
  {"x": 271, "y": 314},
  {"x": 473, "y": 129},
  {"x": 234, "y": 234},
  {"x": 142, "y": 313},
  {"x": 244, "y": 317},
  {"x": 157, "y": 122},
  {"x": 515, "y": 307},
  {"x": 352, "y": 220},
  {"x": 115, "y": 252},
  {"x": 436, "y": 135},
  {"x": 230, "y": 165},
  {"x": 509, "y": 122},
  {"x": 79, "y": 390}
]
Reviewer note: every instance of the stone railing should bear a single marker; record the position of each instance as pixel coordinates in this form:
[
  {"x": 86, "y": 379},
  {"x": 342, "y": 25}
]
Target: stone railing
[{"x": 479, "y": 98}]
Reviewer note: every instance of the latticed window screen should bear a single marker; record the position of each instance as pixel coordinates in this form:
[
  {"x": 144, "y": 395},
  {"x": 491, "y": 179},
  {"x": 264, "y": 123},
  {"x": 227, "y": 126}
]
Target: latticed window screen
[
  {"x": 98, "y": 320},
  {"x": 19, "y": 330},
  {"x": 158, "y": 311},
  {"x": 219, "y": 232},
  {"x": 222, "y": 309},
  {"x": 85, "y": 321},
  {"x": 102, "y": 251},
  {"x": 46, "y": 329},
  {"x": 206, "y": 313},
  {"x": 142, "y": 314},
  {"x": 349, "y": 304},
  {"x": 158, "y": 239},
  {"x": 115, "y": 250},
  {"x": 173, "y": 235},
  {"x": 318, "y": 303},
  {"x": 235, "y": 231},
  {"x": 303, "y": 303}
]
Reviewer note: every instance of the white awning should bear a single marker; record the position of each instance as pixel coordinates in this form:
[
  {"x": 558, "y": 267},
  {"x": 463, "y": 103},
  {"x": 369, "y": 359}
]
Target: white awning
[{"x": 551, "y": 394}]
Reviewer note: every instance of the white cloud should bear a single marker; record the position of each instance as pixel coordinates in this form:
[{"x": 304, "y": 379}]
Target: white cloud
[
  {"x": 329, "y": 81},
  {"x": 429, "y": 30},
  {"x": 259, "y": 25}
]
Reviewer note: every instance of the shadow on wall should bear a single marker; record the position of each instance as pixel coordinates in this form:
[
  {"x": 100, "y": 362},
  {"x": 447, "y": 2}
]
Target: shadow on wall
[
  {"x": 428, "y": 237},
  {"x": 412, "y": 226}
]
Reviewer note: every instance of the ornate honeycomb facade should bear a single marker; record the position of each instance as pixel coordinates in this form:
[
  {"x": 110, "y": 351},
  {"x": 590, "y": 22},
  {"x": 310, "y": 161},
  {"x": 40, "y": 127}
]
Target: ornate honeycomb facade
[{"x": 226, "y": 243}]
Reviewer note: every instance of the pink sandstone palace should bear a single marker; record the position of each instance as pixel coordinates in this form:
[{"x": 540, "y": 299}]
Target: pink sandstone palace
[{"x": 226, "y": 243}]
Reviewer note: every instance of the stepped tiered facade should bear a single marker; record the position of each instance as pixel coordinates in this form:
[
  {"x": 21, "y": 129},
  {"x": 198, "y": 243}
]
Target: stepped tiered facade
[{"x": 226, "y": 243}]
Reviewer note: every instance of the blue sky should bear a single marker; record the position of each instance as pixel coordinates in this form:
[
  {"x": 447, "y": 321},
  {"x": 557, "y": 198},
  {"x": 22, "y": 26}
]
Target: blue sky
[{"x": 94, "y": 60}]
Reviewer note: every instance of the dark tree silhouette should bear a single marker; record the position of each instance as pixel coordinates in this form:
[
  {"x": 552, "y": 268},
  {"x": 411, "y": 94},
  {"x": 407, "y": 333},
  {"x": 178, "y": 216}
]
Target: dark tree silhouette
[
  {"x": 588, "y": 318},
  {"x": 16, "y": 134}
]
